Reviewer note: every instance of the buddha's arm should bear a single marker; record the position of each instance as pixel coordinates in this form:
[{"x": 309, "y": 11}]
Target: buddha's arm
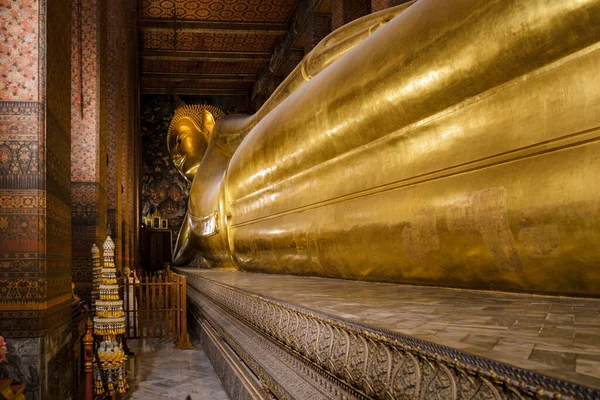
[
  {"x": 184, "y": 251},
  {"x": 205, "y": 222}
]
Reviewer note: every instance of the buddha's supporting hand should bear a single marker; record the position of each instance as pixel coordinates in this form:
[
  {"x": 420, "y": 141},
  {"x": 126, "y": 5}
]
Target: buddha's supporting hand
[{"x": 184, "y": 252}]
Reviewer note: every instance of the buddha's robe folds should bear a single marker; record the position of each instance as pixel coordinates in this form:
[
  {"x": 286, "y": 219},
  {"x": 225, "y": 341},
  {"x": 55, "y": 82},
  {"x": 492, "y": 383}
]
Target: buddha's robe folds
[{"x": 457, "y": 145}]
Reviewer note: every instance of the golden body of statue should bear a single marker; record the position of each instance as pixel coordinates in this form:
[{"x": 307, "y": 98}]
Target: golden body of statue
[{"x": 450, "y": 143}]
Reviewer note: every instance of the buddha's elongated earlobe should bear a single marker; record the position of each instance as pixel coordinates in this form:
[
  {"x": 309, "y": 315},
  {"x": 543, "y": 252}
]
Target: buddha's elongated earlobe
[{"x": 208, "y": 123}]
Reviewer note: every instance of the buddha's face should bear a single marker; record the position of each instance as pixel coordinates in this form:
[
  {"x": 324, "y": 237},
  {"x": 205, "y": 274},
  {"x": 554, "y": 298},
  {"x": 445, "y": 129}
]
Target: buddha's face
[{"x": 188, "y": 145}]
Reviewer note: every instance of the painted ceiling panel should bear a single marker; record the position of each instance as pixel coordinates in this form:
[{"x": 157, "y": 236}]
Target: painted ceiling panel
[
  {"x": 223, "y": 10},
  {"x": 210, "y": 40},
  {"x": 194, "y": 83},
  {"x": 200, "y": 67},
  {"x": 162, "y": 39}
]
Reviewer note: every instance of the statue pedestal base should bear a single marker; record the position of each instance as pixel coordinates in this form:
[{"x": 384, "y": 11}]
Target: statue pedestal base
[{"x": 312, "y": 338}]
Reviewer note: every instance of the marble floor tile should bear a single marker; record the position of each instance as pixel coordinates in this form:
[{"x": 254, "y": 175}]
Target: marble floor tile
[
  {"x": 158, "y": 371},
  {"x": 587, "y": 365},
  {"x": 482, "y": 341},
  {"x": 519, "y": 351},
  {"x": 558, "y": 317},
  {"x": 556, "y": 358},
  {"x": 588, "y": 338}
]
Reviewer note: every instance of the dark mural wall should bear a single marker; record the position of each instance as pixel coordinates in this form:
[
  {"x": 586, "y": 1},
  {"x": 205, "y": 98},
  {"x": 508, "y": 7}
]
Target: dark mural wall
[{"x": 164, "y": 190}]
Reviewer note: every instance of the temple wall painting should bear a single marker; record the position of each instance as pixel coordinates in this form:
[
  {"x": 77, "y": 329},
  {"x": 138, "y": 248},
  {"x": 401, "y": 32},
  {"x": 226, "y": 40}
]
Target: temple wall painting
[{"x": 164, "y": 190}]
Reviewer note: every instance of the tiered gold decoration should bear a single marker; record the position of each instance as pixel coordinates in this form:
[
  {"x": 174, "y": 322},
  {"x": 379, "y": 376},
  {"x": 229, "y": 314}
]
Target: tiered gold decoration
[
  {"x": 109, "y": 322},
  {"x": 110, "y": 318},
  {"x": 97, "y": 274}
]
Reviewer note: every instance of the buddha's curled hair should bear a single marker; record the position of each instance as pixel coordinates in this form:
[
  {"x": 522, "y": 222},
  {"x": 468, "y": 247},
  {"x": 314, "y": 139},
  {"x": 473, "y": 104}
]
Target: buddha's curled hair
[{"x": 195, "y": 112}]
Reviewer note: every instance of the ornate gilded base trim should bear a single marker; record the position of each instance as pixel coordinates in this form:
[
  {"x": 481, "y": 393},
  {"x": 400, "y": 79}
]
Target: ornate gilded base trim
[
  {"x": 378, "y": 363},
  {"x": 282, "y": 375},
  {"x": 238, "y": 381}
]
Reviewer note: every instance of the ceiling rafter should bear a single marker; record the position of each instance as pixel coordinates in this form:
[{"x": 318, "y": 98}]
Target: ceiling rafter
[
  {"x": 195, "y": 91},
  {"x": 203, "y": 55},
  {"x": 216, "y": 26},
  {"x": 201, "y": 77}
]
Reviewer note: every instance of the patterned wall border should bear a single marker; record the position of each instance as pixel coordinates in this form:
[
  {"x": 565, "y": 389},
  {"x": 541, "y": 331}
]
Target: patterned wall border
[
  {"x": 21, "y": 108},
  {"x": 283, "y": 45},
  {"x": 22, "y": 144},
  {"x": 380, "y": 363},
  {"x": 34, "y": 323}
]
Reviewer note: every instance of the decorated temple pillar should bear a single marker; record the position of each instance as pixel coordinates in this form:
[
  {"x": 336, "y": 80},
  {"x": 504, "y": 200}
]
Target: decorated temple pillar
[
  {"x": 113, "y": 173},
  {"x": 103, "y": 94},
  {"x": 35, "y": 195},
  {"x": 88, "y": 149},
  {"x": 344, "y": 11},
  {"x": 378, "y": 5},
  {"x": 317, "y": 27},
  {"x": 120, "y": 99},
  {"x": 273, "y": 84}
]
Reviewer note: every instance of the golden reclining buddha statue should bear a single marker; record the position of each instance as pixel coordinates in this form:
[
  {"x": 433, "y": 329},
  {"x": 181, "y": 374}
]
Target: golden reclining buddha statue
[{"x": 452, "y": 143}]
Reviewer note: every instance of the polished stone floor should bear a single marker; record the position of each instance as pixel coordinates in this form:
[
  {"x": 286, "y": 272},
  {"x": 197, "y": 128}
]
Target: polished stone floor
[
  {"x": 556, "y": 336},
  {"x": 158, "y": 371}
]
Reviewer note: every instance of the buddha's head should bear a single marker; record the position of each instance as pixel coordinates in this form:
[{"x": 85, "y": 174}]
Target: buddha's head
[{"x": 188, "y": 136}]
